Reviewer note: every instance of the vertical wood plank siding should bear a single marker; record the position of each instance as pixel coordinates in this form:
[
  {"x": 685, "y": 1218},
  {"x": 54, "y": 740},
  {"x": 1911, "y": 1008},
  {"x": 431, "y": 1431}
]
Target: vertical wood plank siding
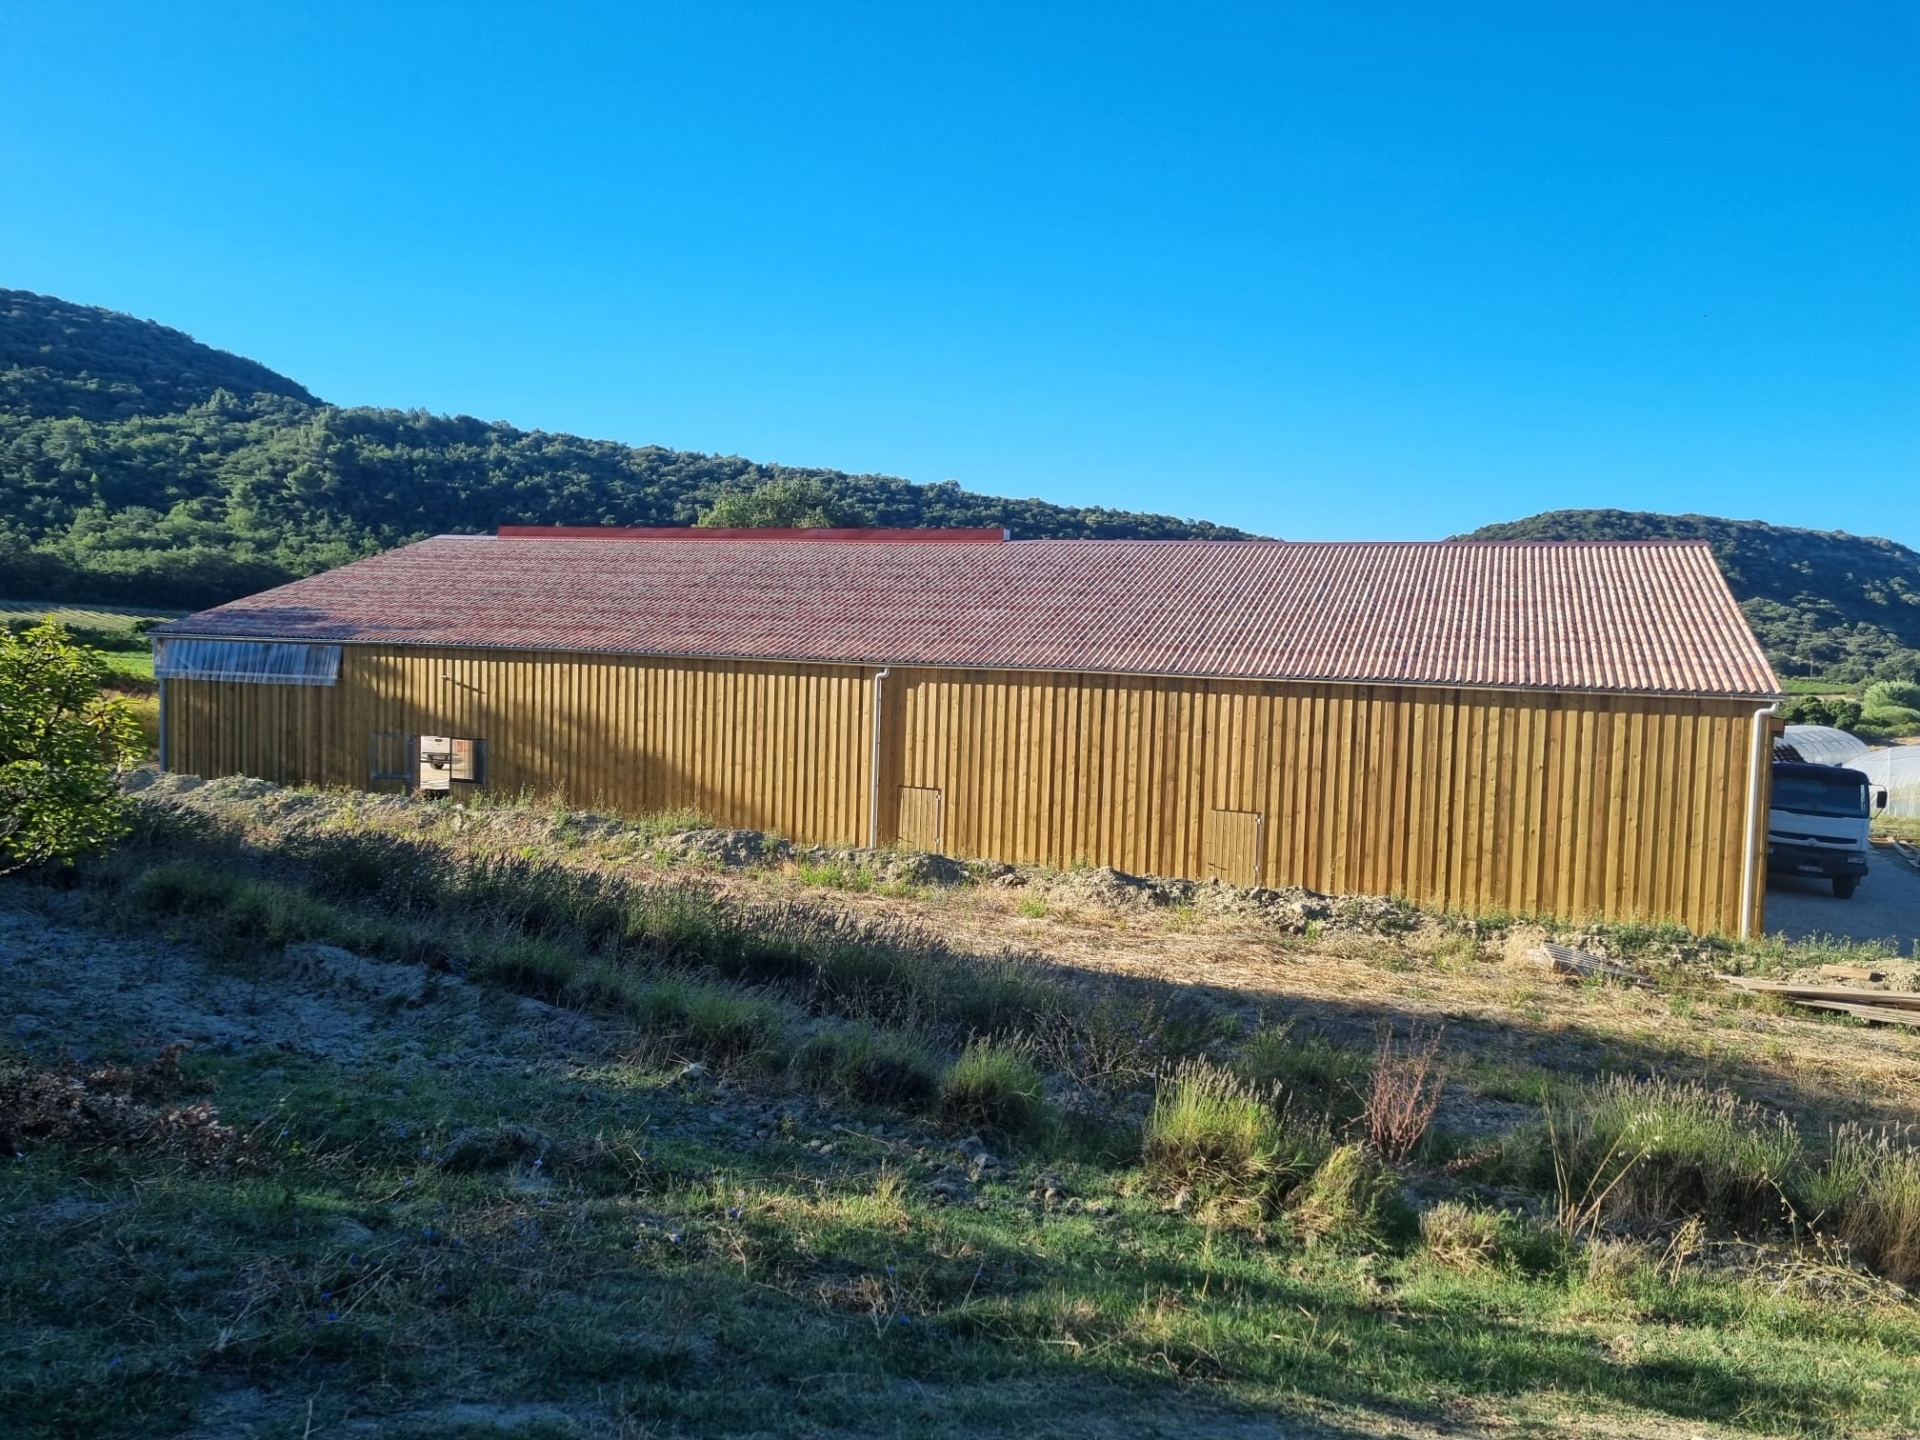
[
  {"x": 1575, "y": 805},
  {"x": 778, "y": 748}
]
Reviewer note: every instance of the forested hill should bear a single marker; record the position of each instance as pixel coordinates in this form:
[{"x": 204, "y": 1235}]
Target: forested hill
[
  {"x": 1821, "y": 601},
  {"x": 139, "y": 466}
]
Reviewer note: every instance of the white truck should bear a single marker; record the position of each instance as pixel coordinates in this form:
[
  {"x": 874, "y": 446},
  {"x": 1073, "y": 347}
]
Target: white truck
[{"x": 1817, "y": 824}]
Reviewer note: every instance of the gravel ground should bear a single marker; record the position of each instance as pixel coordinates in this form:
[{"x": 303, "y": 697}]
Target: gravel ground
[{"x": 1885, "y": 907}]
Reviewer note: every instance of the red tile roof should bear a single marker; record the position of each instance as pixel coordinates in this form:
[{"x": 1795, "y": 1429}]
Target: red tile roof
[{"x": 1640, "y": 617}]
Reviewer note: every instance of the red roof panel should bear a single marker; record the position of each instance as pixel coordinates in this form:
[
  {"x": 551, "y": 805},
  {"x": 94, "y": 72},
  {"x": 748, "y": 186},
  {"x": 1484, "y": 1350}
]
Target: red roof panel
[{"x": 1642, "y": 617}]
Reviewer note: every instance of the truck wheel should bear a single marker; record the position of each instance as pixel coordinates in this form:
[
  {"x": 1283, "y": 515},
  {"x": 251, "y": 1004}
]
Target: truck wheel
[{"x": 1843, "y": 885}]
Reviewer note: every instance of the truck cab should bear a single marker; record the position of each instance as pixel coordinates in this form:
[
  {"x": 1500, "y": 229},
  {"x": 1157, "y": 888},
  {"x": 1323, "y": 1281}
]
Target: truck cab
[{"x": 1817, "y": 824}]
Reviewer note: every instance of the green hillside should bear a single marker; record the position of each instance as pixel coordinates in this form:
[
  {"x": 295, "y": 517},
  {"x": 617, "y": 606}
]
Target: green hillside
[
  {"x": 138, "y": 466},
  {"x": 1824, "y": 603}
]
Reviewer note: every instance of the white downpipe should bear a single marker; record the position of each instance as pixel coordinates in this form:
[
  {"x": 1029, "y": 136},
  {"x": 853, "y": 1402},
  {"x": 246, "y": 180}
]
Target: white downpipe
[
  {"x": 873, "y": 766},
  {"x": 1752, "y": 857}
]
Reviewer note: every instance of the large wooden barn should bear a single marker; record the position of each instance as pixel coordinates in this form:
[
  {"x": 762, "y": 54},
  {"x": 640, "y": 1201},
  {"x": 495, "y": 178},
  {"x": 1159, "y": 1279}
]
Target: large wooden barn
[{"x": 1565, "y": 729}]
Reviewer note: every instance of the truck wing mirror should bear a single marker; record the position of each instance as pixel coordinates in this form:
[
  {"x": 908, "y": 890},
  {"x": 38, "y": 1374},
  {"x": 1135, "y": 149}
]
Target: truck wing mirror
[{"x": 1879, "y": 799}]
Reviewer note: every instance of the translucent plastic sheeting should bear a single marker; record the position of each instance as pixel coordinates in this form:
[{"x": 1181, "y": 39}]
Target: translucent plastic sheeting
[
  {"x": 252, "y": 662},
  {"x": 1824, "y": 745},
  {"x": 1896, "y": 771}
]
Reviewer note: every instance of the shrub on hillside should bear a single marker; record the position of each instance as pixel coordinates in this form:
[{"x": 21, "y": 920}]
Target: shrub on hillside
[
  {"x": 1892, "y": 695},
  {"x": 876, "y": 1066},
  {"x": 1312, "y": 1070},
  {"x": 62, "y": 747}
]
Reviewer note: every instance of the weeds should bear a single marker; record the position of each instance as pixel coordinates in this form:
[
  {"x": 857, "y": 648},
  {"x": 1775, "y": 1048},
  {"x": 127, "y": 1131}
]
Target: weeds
[
  {"x": 1872, "y": 1181},
  {"x": 992, "y": 1086},
  {"x": 1461, "y": 1237},
  {"x": 1402, "y": 1094},
  {"x": 1348, "y": 1197},
  {"x": 1213, "y": 1134},
  {"x": 1659, "y": 1151}
]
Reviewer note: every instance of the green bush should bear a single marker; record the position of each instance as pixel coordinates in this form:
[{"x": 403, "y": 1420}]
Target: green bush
[
  {"x": 992, "y": 1086},
  {"x": 62, "y": 743},
  {"x": 1892, "y": 695},
  {"x": 1315, "y": 1073},
  {"x": 1891, "y": 720}
]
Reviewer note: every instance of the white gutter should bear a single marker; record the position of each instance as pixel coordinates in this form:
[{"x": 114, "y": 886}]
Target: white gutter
[
  {"x": 873, "y": 798},
  {"x": 1753, "y": 857}
]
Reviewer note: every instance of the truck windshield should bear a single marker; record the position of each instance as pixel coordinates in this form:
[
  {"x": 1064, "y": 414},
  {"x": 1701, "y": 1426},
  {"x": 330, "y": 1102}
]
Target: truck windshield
[{"x": 1816, "y": 797}]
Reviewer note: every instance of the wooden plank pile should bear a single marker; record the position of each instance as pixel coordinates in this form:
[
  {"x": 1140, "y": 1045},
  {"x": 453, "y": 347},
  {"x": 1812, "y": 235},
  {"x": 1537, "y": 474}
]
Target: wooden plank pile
[{"x": 1883, "y": 1007}]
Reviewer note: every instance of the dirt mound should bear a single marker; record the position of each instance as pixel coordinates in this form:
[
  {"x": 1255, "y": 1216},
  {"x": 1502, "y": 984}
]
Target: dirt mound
[
  {"x": 1108, "y": 888},
  {"x": 734, "y": 849}
]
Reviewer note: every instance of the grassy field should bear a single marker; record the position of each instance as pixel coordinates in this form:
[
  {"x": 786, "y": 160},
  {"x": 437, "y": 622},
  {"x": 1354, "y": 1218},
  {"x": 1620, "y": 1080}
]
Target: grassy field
[
  {"x": 111, "y": 631},
  {"x": 511, "y": 1120}
]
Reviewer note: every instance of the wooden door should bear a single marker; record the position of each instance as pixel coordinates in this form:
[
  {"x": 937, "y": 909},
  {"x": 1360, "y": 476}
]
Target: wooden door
[
  {"x": 922, "y": 809},
  {"x": 1233, "y": 846}
]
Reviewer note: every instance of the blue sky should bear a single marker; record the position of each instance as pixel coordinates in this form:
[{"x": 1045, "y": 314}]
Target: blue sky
[{"x": 1325, "y": 272}]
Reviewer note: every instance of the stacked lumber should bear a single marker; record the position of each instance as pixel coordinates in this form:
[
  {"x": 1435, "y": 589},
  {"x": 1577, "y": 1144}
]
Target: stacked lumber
[{"x": 1883, "y": 1007}]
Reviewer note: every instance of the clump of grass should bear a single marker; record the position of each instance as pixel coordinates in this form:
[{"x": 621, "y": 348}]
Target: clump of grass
[
  {"x": 1309, "y": 1068},
  {"x": 540, "y": 968},
  {"x": 717, "y": 1022},
  {"x": 1212, "y": 1133},
  {"x": 1032, "y": 907},
  {"x": 231, "y": 917},
  {"x": 879, "y": 1067},
  {"x": 1463, "y": 1238},
  {"x": 1349, "y": 1196},
  {"x": 1871, "y": 1182},
  {"x": 994, "y": 1085},
  {"x": 493, "y": 1147},
  {"x": 658, "y": 825},
  {"x": 181, "y": 887},
  {"x": 836, "y": 875},
  {"x": 1657, "y": 1151}
]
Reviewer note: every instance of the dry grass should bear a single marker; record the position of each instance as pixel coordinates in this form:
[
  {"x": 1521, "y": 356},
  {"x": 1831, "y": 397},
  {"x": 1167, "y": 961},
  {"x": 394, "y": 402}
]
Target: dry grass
[
  {"x": 1403, "y": 1093},
  {"x": 1498, "y": 1005}
]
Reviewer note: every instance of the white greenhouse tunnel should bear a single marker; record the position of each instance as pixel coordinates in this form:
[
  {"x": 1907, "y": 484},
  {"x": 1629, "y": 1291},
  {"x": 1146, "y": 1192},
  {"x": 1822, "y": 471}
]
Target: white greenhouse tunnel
[{"x": 1897, "y": 771}]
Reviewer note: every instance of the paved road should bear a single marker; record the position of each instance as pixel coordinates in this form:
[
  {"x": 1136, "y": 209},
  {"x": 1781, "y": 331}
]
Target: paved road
[{"x": 1885, "y": 907}]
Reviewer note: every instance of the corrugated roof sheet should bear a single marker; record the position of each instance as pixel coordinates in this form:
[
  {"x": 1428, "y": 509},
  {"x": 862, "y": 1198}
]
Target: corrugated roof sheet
[{"x": 1640, "y": 617}]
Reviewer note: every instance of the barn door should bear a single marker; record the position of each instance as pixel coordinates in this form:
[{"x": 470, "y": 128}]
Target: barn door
[
  {"x": 922, "y": 809},
  {"x": 1233, "y": 846}
]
